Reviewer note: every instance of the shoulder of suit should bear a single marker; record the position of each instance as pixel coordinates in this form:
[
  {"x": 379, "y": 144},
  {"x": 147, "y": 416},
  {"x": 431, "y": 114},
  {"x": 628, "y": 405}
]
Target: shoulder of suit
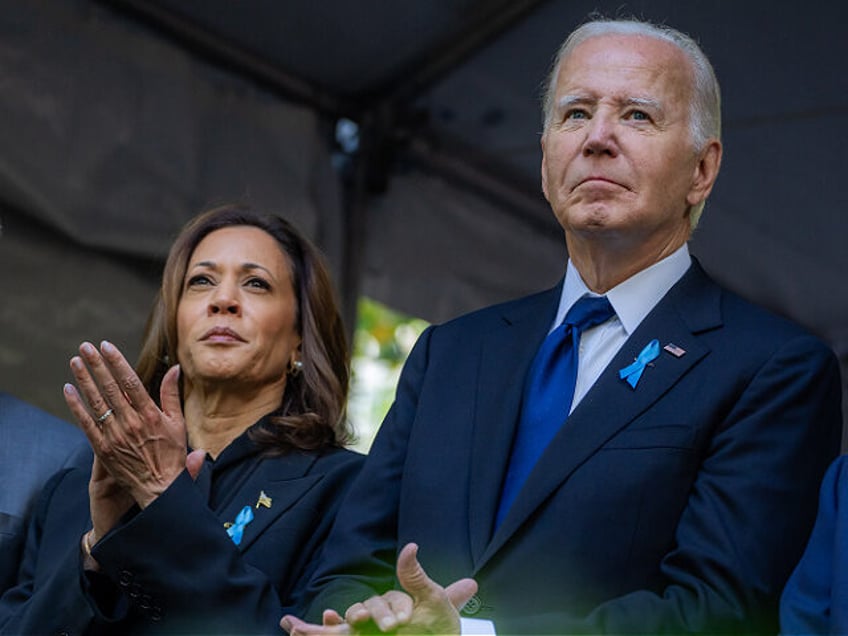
[
  {"x": 496, "y": 314},
  {"x": 737, "y": 312},
  {"x": 326, "y": 460},
  {"x": 13, "y": 410},
  {"x": 749, "y": 315},
  {"x": 342, "y": 456}
]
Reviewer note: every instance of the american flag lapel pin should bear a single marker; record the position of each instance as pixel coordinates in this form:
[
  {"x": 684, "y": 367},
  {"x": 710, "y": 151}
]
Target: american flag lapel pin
[{"x": 674, "y": 350}]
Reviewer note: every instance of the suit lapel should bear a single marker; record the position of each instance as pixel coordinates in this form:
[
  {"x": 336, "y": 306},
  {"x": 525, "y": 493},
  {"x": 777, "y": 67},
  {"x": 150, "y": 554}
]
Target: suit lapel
[
  {"x": 690, "y": 307},
  {"x": 506, "y": 353},
  {"x": 280, "y": 482}
]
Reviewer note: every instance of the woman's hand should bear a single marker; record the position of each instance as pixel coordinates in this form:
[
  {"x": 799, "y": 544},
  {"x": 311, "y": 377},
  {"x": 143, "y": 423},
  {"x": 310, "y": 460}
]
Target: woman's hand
[
  {"x": 107, "y": 499},
  {"x": 108, "y": 502},
  {"x": 142, "y": 447}
]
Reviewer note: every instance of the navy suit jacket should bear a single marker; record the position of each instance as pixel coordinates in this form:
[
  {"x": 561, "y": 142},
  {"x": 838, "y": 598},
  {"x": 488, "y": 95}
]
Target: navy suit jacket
[
  {"x": 680, "y": 505},
  {"x": 172, "y": 568},
  {"x": 33, "y": 446},
  {"x": 815, "y": 600}
]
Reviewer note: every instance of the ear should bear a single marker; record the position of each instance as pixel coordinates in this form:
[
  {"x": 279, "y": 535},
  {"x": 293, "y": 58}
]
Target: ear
[
  {"x": 544, "y": 169},
  {"x": 705, "y": 173}
]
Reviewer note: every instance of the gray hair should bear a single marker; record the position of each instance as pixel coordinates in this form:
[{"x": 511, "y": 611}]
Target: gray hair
[{"x": 705, "y": 107}]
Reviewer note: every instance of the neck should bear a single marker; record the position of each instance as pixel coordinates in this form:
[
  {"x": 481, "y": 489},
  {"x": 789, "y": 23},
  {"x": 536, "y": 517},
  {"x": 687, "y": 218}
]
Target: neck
[
  {"x": 215, "y": 417},
  {"x": 603, "y": 266}
]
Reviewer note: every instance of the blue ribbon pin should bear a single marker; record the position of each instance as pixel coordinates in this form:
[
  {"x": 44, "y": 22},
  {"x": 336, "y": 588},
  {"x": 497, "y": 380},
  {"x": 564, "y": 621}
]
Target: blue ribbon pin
[
  {"x": 633, "y": 372},
  {"x": 236, "y": 531}
]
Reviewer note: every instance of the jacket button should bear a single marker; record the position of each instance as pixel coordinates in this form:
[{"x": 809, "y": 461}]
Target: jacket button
[
  {"x": 473, "y": 606},
  {"x": 125, "y": 578}
]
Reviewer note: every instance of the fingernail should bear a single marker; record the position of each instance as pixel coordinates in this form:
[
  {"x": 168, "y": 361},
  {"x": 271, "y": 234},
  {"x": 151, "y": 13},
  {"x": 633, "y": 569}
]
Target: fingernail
[
  {"x": 68, "y": 389},
  {"x": 76, "y": 363},
  {"x": 88, "y": 349},
  {"x": 107, "y": 347},
  {"x": 386, "y": 624}
]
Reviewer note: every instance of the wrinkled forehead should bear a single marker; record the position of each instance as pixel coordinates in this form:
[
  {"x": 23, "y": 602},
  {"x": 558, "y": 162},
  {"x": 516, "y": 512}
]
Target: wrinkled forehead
[
  {"x": 628, "y": 65},
  {"x": 627, "y": 51}
]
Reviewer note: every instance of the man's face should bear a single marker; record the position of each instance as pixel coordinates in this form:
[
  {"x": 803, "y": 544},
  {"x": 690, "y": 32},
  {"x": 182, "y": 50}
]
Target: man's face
[{"x": 618, "y": 161}]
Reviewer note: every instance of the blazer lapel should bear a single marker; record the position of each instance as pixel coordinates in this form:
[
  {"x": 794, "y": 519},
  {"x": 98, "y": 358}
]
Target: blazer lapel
[
  {"x": 505, "y": 356},
  {"x": 272, "y": 488},
  {"x": 611, "y": 404}
]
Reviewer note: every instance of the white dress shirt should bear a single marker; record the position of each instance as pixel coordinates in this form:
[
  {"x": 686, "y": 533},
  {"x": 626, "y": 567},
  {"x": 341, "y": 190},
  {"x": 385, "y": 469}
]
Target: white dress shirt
[{"x": 632, "y": 300}]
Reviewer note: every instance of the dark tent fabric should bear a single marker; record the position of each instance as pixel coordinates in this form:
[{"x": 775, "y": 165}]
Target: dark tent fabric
[{"x": 121, "y": 119}]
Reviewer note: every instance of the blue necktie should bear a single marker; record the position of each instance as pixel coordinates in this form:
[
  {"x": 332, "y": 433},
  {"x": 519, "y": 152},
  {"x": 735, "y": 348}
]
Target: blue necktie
[{"x": 548, "y": 393}]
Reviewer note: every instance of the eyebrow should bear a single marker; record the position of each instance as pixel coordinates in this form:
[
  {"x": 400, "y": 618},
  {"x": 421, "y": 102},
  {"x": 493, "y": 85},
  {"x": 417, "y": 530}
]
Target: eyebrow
[
  {"x": 245, "y": 267},
  {"x": 571, "y": 100},
  {"x": 645, "y": 102}
]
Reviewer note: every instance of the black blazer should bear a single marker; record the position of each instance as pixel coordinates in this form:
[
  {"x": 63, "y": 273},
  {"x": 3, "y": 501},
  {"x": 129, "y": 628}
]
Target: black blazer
[
  {"x": 680, "y": 505},
  {"x": 176, "y": 569}
]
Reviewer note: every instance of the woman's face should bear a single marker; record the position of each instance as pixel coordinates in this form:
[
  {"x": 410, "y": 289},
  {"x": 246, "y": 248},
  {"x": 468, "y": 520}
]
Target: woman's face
[{"x": 237, "y": 312}]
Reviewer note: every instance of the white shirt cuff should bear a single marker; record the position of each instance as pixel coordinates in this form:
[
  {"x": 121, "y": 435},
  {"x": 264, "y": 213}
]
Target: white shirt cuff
[{"x": 476, "y": 627}]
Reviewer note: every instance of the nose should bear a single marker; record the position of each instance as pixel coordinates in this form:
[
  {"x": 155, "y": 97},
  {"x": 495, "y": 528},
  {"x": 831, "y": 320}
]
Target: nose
[
  {"x": 224, "y": 301},
  {"x": 600, "y": 136}
]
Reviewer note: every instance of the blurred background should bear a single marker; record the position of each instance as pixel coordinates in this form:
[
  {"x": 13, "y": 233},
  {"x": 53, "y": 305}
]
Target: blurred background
[{"x": 401, "y": 135}]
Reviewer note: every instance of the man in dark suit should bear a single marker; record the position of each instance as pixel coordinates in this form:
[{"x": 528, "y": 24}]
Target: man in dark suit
[
  {"x": 33, "y": 446},
  {"x": 680, "y": 489}
]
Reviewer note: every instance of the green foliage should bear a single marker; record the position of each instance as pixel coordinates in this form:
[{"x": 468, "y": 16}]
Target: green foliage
[
  {"x": 381, "y": 343},
  {"x": 384, "y": 333}
]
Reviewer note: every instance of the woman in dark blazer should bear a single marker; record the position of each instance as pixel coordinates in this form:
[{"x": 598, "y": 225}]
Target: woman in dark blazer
[{"x": 202, "y": 512}]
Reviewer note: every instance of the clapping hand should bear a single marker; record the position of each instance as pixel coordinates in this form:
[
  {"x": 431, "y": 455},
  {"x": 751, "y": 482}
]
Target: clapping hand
[
  {"x": 423, "y": 607},
  {"x": 139, "y": 448}
]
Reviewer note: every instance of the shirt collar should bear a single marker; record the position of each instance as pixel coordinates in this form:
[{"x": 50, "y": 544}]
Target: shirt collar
[{"x": 634, "y": 298}]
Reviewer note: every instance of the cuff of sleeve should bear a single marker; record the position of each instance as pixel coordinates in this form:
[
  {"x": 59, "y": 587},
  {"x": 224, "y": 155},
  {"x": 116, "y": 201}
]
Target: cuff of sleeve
[
  {"x": 476, "y": 627},
  {"x": 105, "y": 598}
]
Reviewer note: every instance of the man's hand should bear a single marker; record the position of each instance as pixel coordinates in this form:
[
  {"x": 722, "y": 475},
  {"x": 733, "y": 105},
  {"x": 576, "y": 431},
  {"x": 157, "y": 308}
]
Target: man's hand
[
  {"x": 333, "y": 624},
  {"x": 426, "y": 607}
]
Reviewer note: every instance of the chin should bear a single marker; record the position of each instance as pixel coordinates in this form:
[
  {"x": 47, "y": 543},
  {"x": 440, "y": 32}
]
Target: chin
[
  {"x": 599, "y": 219},
  {"x": 216, "y": 371}
]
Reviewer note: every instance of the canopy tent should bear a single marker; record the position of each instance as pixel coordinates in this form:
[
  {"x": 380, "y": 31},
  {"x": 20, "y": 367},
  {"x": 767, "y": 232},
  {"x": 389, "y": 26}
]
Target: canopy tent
[{"x": 120, "y": 119}]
